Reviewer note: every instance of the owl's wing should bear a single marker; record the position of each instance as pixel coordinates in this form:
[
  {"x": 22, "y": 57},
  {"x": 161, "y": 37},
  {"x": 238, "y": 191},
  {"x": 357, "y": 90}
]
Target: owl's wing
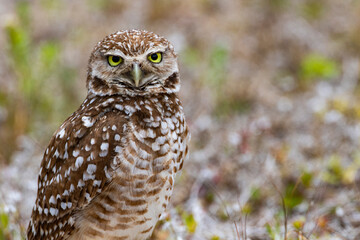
[{"x": 76, "y": 167}]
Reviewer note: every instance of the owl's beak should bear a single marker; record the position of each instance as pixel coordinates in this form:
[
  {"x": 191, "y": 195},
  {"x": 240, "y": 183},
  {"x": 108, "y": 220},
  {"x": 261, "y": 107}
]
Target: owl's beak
[{"x": 136, "y": 74}]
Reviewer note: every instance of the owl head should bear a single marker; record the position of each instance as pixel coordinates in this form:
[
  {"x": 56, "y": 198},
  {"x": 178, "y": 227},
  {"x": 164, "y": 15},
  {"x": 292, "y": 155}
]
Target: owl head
[{"x": 133, "y": 63}]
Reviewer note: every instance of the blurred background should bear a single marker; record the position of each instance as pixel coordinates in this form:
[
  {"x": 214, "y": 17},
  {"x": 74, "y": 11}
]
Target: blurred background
[{"x": 270, "y": 89}]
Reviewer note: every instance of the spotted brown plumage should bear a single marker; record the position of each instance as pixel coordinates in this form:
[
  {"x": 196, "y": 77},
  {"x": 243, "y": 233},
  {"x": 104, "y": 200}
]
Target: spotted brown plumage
[{"x": 108, "y": 172}]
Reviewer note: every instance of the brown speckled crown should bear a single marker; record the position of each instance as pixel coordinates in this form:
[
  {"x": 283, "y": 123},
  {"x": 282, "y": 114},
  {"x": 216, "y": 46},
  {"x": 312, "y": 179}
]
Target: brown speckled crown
[
  {"x": 109, "y": 170},
  {"x": 132, "y": 42}
]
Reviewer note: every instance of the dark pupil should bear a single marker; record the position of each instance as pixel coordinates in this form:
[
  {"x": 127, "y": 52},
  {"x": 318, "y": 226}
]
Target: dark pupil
[
  {"x": 154, "y": 56},
  {"x": 116, "y": 59}
]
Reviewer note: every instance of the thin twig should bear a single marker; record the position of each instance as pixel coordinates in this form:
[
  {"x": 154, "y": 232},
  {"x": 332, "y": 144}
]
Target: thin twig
[
  {"x": 241, "y": 219},
  {"x": 296, "y": 184},
  {"x": 316, "y": 199},
  {"x": 223, "y": 203},
  {"x": 284, "y": 209},
  {"x": 245, "y": 227},
  {"x": 337, "y": 233}
]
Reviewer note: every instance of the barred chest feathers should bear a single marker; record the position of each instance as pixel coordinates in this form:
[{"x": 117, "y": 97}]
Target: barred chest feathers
[{"x": 149, "y": 145}]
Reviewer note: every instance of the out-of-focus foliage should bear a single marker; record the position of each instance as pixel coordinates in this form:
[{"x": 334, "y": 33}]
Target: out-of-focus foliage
[
  {"x": 313, "y": 9},
  {"x": 4, "y": 224},
  {"x": 215, "y": 238},
  {"x": 189, "y": 222},
  {"x": 315, "y": 66},
  {"x": 274, "y": 232},
  {"x": 8, "y": 230},
  {"x": 35, "y": 102},
  {"x": 337, "y": 174}
]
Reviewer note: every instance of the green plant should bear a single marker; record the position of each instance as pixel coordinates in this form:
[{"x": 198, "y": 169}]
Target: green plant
[
  {"x": 336, "y": 173},
  {"x": 313, "y": 9},
  {"x": 216, "y": 75},
  {"x": 9, "y": 228},
  {"x": 4, "y": 223},
  {"x": 215, "y": 237},
  {"x": 274, "y": 232},
  {"x": 189, "y": 221},
  {"x": 315, "y": 66},
  {"x": 293, "y": 196},
  {"x": 42, "y": 95},
  {"x": 307, "y": 178}
]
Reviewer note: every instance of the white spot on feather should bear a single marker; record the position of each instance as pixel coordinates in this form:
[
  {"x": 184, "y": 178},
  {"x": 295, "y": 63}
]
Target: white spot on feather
[
  {"x": 87, "y": 196},
  {"x": 142, "y": 133},
  {"x": 79, "y": 162},
  {"x": 161, "y": 140},
  {"x": 117, "y": 137},
  {"x": 151, "y": 133},
  {"x": 129, "y": 109},
  {"x": 174, "y": 136},
  {"x": 56, "y": 154},
  {"x": 103, "y": 153},
  {"x": 170, "y": 123},
  {"x": 164, "y": 148},
  {"x": 48, "y": 165},
  {"x": 91, "y": 168},
  {"x": 164, "y": 131},
  {"x": 164, "y": 125},
  {"x": 61, "y": 133},
  {"x": 87, "y": 121},
  {"x": 80, "y": 183},
  {"x": 96, "y": 183},
  {"x": 71, "y": 221},
  {"x": 87, "y": 176},
  {"x": 76, "y": 153},
  {"x": 52, "y": 200},
  {"x": 92, "y": 100},
  {"x": 155, "y": 146},
  {"x": 67, "y": 172},
  {"x": 54, "y": 211},
  {"x": 118, "y": 149},
  {"x": 104, "y": 146},
  {"x": 119, "y": 107},
  {"x": 87, "y": 148},
  {"x": 58, "y": 178},
  {"x": 107, "y": 174}
]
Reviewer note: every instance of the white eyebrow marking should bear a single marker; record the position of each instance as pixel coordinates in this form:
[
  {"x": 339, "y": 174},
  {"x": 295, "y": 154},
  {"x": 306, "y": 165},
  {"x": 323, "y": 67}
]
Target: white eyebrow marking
[
  {"x": 115, "y": 52},
  {"x": 143, "y": 56}
]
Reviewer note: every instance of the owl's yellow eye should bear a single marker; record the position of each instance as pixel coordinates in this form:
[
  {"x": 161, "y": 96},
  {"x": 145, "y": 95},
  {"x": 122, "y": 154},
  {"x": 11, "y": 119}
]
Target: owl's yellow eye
[
  {"x": 155, "y": 57},
  {"x": 114, "y": 60}
]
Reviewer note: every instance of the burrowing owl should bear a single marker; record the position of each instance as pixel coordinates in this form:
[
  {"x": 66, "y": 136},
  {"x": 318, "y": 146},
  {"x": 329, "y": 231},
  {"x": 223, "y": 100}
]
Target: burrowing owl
[{"x": 108, "y": 172}]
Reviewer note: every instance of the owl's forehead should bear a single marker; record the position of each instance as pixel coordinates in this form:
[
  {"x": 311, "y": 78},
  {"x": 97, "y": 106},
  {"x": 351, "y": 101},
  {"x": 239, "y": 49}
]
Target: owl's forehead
[{"x": 133, "y": 42}]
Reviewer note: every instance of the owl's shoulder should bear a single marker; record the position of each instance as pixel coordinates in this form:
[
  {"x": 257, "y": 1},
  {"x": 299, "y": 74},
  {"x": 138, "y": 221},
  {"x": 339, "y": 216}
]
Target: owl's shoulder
[{"x": 76, "y": 165}]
